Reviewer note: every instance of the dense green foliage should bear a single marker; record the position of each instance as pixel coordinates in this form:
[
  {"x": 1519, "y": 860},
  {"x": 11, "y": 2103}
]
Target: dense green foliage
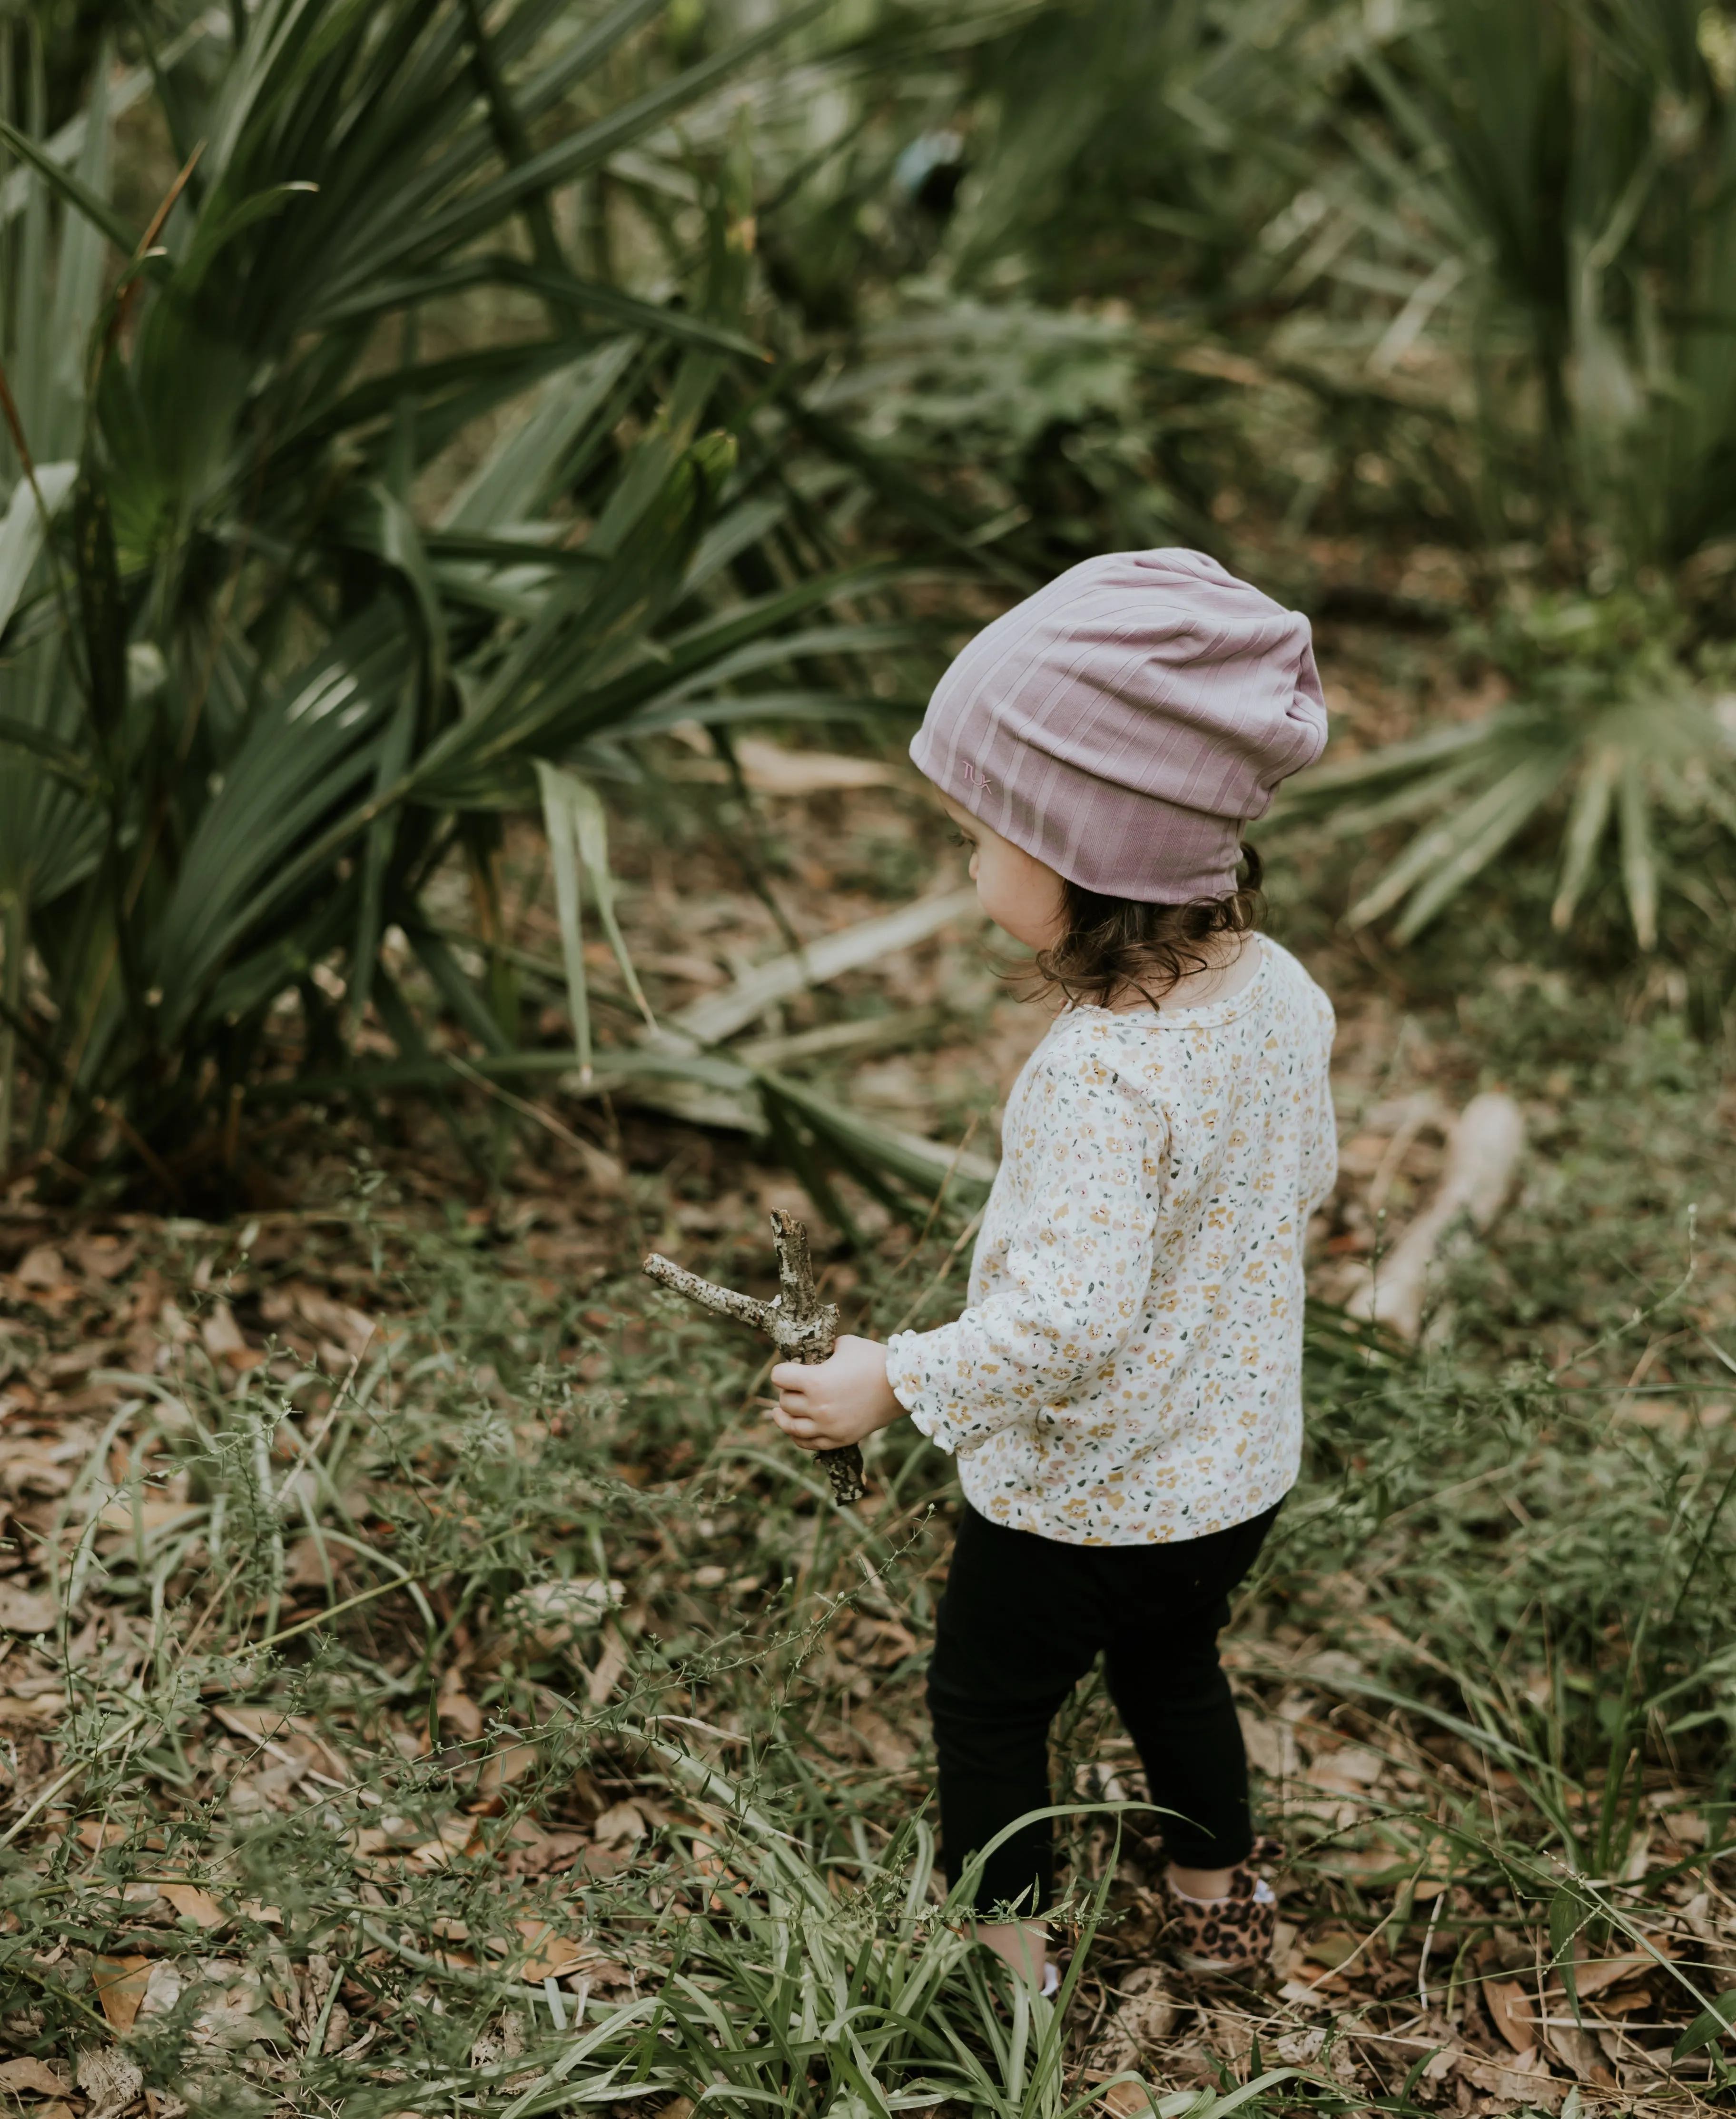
[
  {"x": 1489, "y": 1573},
  {"x": 414, "y": 411},
  {"x": 1452, "y": 272},
  {"x": 261, "y": 685},
  {"x": 427, "y": 442},
  {"x": 1553, "y": 193}
]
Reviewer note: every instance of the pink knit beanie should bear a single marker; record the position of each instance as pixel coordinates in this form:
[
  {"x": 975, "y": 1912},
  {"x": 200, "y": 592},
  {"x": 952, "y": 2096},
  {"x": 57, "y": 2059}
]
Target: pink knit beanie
[{"x": 1124, "y": 723}]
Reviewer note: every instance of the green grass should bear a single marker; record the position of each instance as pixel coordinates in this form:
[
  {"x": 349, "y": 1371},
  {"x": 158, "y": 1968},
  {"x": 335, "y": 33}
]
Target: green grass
[
  {"x": 1503, "y": 1597},
  {"x": 446, "y": 1826}
]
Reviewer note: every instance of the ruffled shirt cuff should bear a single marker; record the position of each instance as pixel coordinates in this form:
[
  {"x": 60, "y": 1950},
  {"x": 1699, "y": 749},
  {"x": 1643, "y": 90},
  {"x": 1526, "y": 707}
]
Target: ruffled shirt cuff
[{"x": 911, "y": 1370}]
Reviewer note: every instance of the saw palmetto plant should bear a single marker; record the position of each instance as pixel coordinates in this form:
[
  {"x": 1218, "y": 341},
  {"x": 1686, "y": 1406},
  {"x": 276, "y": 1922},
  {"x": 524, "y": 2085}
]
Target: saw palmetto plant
[
  {"x": 1609, "y": 726},
  {"x": 1495, "y": 242},
  {"x": 269, "y": 661},
  {"x": 1544, "y": 211}
]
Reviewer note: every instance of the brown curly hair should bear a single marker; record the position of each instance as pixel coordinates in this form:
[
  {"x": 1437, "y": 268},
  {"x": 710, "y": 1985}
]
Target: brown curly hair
[{"x": 1113, "y": 945}]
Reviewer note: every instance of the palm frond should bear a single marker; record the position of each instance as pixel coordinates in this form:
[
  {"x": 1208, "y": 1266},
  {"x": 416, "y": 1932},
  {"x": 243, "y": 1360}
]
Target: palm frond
[
  {"x": 288, "y": 688},
  {"x": 1606, "y": 725}
]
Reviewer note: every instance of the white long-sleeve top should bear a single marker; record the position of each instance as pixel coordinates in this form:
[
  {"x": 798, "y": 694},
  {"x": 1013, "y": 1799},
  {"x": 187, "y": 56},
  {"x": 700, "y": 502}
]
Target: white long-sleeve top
[{"x": 1129, "y": 1370}]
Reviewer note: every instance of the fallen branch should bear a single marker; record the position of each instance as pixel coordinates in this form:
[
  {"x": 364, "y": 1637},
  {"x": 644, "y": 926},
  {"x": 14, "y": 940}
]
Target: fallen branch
[
  {"x": 802, "y": 1328},
  {"x": 1485, "y": 1147}
]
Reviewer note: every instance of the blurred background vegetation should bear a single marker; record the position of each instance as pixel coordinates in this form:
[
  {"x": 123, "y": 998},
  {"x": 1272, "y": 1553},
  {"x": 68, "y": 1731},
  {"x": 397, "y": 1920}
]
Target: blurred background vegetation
[
  {"x": 416, "y": 412},
  {"x": 487, "y": 487}
]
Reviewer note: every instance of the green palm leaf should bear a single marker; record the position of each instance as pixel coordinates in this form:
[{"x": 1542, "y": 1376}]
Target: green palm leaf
[
  {"x": 310, "y": 688},
  {"x": 1624, "y": 742},
  {"x": 1538, "y": 216}
]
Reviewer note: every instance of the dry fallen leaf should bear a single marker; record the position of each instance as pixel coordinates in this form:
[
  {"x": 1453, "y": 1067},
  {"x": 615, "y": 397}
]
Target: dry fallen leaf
[
  {"x": 769, "y": 769},
  {"x": 619, "y": 1824},
  {"x": 262, "y": 1723},
  {"x": 502, "y": 1768},
  {"x": 456, "y": 1706},
  {"x": 145, "y": 1516},
  {"x": 548, "y": 1851},
  {"x": 350, "y": 1329},
  {"x": 554, "y": 1956},
  {"x": 881, "y": 1642},
  {"x": 1511, "y": 2011},
  {"x": 1128, "y": 2100},
  {"x": 551, "y": 1956},
  {"x": 890, "y": 1751},
  {"x": 1350, "y": 1770},
  {"x": 120, "y": 1984},
  {"x": 553, "y": 1613},
  {"x": 193, "y": 1904},
  {"x": 105, "y": 1257},
  {"x": 1526, "y": 2083},
  {"x": 1148, "y": 2010},
  {"x": 79, "y": 1360},
  {"x": 222, "y": 1335},
  {"x": 458, "y": 1835},
  {"x": 609, "y": 1665},
  {"x": 1579, "y": 2050},
  {"x": 43, "y": 1267},
  {"x": 27, "y": 1468},
  {"x": 34, "y": 1711},
  {"x": 109, "y": 2079},
  {"x": 1271, "y": 1745},
  {"x": 46, "y": 2078},
  {"x": 1596, "y": 1973},
  {"x": 303, "y": 1567},
  {"x": 21, "y": 1612}
]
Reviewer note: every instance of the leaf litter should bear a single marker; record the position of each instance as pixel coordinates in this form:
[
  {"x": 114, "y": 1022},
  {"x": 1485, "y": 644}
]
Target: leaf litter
[{"x": 426, "y": 1684}]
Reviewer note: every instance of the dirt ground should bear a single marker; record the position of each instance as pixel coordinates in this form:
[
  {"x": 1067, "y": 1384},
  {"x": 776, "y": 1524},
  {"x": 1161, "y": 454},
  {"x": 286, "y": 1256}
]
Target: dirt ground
[{"x": 426, "y": 1337}]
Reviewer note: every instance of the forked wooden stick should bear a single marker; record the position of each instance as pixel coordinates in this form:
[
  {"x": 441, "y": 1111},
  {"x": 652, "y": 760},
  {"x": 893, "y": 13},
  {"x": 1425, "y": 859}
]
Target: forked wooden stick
[{"x": 802, "y": 1328}]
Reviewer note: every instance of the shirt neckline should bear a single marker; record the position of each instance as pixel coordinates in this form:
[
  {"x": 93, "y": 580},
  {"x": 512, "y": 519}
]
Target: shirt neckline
[{"x": 1206, "y": 1012}]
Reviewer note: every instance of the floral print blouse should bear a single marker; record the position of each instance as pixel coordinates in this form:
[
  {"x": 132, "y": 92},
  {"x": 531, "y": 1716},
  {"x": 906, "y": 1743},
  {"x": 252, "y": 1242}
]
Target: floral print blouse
[{"x": 1129, "y": 1370}]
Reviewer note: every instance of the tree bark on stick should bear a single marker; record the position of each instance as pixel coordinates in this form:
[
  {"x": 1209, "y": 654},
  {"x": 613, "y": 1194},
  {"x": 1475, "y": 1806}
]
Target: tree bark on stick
[{"x": 802, "y": 1328}]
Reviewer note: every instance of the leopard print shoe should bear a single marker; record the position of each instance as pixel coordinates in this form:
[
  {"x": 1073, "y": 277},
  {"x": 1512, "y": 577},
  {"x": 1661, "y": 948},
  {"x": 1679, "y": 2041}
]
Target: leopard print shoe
[{"x": 1232, "y": 1935}]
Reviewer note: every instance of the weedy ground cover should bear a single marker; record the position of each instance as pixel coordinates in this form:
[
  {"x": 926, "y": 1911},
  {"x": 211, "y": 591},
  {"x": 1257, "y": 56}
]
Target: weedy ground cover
[{"x": 429, "y": 1686}]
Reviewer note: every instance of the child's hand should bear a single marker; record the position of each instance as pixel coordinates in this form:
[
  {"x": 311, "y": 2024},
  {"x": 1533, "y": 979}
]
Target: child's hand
[{"x": 826, "y": 1405}]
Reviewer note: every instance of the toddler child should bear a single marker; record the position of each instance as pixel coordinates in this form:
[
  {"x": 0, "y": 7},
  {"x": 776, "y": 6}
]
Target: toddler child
[{"x": 1123, "y": 1392}]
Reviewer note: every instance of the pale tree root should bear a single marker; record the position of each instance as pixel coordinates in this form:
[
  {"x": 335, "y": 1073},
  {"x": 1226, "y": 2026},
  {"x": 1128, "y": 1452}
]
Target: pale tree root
[{"x": 1484, "y": 1149}]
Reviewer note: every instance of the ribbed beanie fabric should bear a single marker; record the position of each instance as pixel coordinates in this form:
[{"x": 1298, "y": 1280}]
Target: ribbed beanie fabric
[{"x": 1124, "y": 723}]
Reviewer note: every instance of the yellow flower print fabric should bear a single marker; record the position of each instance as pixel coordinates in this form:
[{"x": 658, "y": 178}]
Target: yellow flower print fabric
[{"x": 1129, "y": 1370}]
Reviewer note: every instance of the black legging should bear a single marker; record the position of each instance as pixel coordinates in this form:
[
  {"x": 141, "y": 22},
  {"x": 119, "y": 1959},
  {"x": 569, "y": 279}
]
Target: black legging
[{"x": 1022, "y": 1621}]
